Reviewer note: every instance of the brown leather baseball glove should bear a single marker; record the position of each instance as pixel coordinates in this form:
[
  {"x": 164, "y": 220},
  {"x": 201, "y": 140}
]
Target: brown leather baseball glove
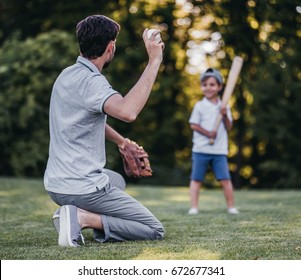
[{"x": 135, "y": 160}]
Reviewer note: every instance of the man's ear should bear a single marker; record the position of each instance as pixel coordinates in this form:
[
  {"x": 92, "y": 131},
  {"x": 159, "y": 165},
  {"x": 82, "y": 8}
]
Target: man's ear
[{"x": 111, "y": 47}]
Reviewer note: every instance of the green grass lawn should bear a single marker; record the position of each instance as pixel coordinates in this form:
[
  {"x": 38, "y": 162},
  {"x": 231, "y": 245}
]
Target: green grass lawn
[{"x": 268, "y": 228}]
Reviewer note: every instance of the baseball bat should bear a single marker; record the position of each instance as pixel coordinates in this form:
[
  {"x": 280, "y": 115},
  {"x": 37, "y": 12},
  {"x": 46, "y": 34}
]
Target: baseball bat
[{"x": 231, "y": 82}]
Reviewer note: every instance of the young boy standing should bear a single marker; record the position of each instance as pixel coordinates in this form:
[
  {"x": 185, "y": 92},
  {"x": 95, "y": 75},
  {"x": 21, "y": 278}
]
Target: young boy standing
[{"x": 204, "y": 154}]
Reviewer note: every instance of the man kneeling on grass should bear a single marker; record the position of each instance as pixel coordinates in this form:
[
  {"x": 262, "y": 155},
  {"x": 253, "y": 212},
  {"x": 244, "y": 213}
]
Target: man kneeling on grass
[{"x": 75, "y": 178}]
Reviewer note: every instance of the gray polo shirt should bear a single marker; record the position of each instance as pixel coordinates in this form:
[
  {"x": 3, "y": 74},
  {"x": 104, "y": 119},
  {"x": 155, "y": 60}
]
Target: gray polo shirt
[{"x": 77, "y": 130}]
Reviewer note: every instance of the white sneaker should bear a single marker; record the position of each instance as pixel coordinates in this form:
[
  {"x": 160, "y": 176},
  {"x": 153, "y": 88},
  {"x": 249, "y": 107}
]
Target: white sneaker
[
  {"x": 193, "y": 211},
  {"x": 233, "y": 211},
  {"x": 56, "y": 220},
  {"x": 70, "y": 230}
]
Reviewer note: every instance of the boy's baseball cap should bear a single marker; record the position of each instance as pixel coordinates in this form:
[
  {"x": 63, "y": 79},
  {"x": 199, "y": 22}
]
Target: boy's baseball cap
[{"x": 210, "y": 72}]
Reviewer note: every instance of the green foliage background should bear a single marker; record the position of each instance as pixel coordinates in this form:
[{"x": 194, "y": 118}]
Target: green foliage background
[{"x": 37, "y": 40}]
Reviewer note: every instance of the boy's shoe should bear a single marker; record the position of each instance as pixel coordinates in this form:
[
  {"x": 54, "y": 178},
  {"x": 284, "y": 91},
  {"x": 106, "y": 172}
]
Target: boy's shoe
[
  {"x": 233, "y": 211},
  {"x": 69, "y": 228},
  {"x": 56, "y": 220},
  {"x": 193, "y": 211}
]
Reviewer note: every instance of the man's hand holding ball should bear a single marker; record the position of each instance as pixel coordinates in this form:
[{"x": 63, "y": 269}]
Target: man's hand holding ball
[
  {"x": 152, "y": 31},
  {"x": 153, "y": 43}
]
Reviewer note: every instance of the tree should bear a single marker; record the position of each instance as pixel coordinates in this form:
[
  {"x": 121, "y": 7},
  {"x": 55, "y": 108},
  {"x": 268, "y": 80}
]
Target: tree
[
  {"x": 276, "y": 95},
  {"x": 155, "y": 129},
  {"x": 27, "y": 71},
  {"x": 266, "y": 136},
  {"x": 264, "y": 144}
]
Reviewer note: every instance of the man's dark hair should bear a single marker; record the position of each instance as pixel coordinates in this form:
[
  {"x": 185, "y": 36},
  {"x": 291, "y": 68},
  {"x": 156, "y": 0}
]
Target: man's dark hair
[{"x": 94, "y": 34}]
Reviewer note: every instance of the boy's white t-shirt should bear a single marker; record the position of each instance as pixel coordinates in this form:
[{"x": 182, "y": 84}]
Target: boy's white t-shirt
[{"x": 204, "y": 114}]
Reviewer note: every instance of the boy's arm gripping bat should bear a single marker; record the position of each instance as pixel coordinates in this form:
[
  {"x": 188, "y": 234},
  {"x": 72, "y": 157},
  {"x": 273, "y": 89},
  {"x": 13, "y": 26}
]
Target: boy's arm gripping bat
[{"x": 231, "y": 82}]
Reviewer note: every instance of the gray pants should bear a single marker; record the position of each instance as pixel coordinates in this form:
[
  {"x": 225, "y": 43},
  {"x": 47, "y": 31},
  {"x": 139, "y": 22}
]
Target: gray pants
[{"x": 123, "y": 217}]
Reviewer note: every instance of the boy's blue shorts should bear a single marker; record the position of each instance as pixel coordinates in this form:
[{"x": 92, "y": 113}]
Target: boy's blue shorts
[{"x": 218, "y": 163}]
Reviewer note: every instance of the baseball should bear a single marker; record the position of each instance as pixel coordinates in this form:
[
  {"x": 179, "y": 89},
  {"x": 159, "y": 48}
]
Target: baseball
[{"x": 158, "y": 36}]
